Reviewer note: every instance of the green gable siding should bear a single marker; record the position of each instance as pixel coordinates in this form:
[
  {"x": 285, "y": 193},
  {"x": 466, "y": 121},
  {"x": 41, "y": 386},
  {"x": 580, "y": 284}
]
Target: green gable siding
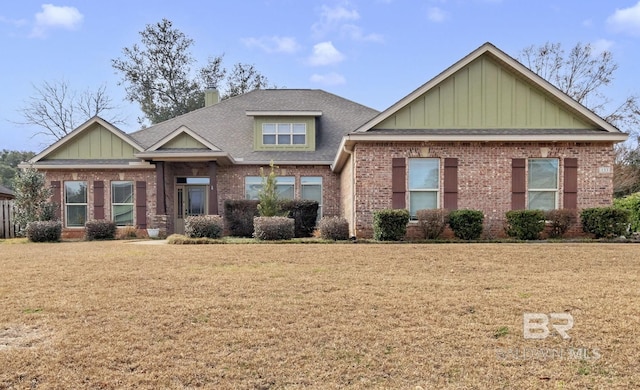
[
  {"x": 184, "y": 141},
  {"x": 95, "y": 142},
  {"x": 484, "y": 95}
]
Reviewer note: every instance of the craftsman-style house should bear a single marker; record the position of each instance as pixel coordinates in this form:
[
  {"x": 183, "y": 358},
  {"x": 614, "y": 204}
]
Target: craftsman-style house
[{"x": 487, "y": 134}]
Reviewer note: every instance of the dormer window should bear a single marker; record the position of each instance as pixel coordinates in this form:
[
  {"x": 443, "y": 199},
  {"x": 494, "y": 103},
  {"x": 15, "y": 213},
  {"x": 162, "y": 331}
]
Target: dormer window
[
  {"x": 284, "y": 134},
  {"x": 285, "y": 130}
]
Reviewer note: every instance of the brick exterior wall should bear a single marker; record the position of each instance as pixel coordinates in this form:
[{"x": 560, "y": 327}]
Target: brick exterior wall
[
  {"x": 230, "y": 181},
  {"x": 484, "y": 175},
  {"x": 107, "y": 176}
]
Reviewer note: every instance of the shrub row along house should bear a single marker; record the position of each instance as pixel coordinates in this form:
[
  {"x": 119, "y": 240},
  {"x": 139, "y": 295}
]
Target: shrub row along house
[{"x": 485, "y": 134}]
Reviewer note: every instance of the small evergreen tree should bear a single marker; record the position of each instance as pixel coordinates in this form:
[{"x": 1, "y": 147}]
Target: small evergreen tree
[
  {"x": 32, "y": 198},
  {"x": 269, "y": 205}
]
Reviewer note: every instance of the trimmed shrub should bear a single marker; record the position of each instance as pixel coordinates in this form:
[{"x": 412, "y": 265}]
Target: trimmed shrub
[
  {"x": 390, "y": 224},
  {"x": 560, "y": 221},
  {"x": 273, "y": 228},
  {"x": 334, "y": 228},
  {"x": 126, "y": 232},
  {"x": 466, "y": 224},
  {"x": 525, "y": 224},
  {"x": 304, "y": 214},
  {"x": 99, "y": 229},
  {"x": 44, "y": 231},
  {"x": 605, "y": 222},
  {"x": 238, "y": 216},
  {"x": 208, "y": 226},
  {"x": 631, "y": 203},
  {"x": 432, "y": 222}
]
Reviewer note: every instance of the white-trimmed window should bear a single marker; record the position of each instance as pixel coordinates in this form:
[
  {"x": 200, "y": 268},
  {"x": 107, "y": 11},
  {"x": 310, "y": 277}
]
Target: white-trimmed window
[
  {"x": 75, "y": 200},
  {"x": 542, "y": 183},
  {"x": 311, "y": 189},
  {"x": 285, "y": 187},
  {"x": 424, "y": 184},
  {"x": 284, "y": 134},
  {"x": 122, "y": 202}
]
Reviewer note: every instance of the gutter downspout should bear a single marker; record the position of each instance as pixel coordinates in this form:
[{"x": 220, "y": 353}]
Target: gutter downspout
[{"x": 353, "y": 190}]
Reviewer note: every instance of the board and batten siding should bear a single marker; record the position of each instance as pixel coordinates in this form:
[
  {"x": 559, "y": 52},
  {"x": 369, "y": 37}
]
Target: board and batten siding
[
  {"x": 484, "y": 95},
  {"x": 184, "y": 141},
  {"x": 94, "y": 143}
]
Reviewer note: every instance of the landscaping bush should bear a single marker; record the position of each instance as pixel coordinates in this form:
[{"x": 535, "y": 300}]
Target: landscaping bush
[
  {"x": 99, "y": 229},
  {"x": 525, "y": 224},
  {"x": 631, "y": 203},
  {"x": 390, "y": 224},
  {"x": 208, "y": 226},
  {"x": 560, "y": 220},
  {"x": 432, "y": 222},
  {"x": 238, "y": 216},
  {"x": 273, "y": 228},
  {"x": 304, "y": 214},
  {"x": 466, "y": 224},
  {"x": 44, "y": 231},
  {"x": 334, "y": 228},
  {"x": 605, "y": 222}
]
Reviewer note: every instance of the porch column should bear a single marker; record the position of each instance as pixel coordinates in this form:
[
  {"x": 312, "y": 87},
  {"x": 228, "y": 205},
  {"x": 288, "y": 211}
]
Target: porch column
[
  {"x": 213, "y": 188},
  {"x": 161, "y": 204}
]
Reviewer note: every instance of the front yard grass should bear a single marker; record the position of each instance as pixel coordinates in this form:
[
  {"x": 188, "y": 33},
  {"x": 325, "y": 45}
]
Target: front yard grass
[{"x": 110, "y": 315}]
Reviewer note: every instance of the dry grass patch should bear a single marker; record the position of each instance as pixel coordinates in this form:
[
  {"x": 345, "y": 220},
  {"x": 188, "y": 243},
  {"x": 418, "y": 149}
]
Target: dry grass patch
[{"x": 113, "y": 315}]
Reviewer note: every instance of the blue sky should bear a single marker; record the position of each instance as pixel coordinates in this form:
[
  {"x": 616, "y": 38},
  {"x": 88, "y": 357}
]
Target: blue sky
[{"x": 373, "y": 52}]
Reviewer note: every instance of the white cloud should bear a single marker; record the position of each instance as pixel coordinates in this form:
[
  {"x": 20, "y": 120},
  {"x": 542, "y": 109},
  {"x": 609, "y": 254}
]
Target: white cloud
[
  {"x": 331, "y": 18},
  {"x": 626, "y": 20},
  {"x": 13, "y": 22},
  {"x": 274, "y": 44},
  {"x": 342, "y": 19},
  {"x": 324, "y": 53},
  {"x": 436, "y": 14},
  {"x": 328, "y": 79},
  {"x": 355, "y": 33},
  {"x": 600, "y": 46},
  {"x": 53, "y": 16}
]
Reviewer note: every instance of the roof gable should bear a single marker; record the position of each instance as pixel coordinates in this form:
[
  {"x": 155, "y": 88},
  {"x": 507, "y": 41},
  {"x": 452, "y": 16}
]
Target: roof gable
[
  {"x": 94, "y": 139},
  {"x": 487, "y": 90},
  {"x": 183, "y": 138}
]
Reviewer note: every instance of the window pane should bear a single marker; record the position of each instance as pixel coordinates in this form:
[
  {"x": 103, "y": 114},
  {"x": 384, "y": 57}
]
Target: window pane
[
  {"x": 299, "y": 128},
  {"x": 285, "y": 191},
  {"x": 269, "y": 128},
  {"x": 312, "y": 192},
  {"x": 419, "y": 200},
  {"x": 284, "y": 128},
  {"x": 75, "y": 192},
  {"x": 76, "y": 215},
  {"x": 284, "y": 139},
  {"x": 252, "y": 184},
  {"x": 285, "y": 187},
  {"x": 542, "y": 200},
  {"x": 268, "y": 139},
  {"x": 543, "y": 173},
  {"x": 299, "y": 139},
  {"x": 122, "y": 192},
  {"x": 123, "y": 215},
  {"x": 424, "y": 173}
]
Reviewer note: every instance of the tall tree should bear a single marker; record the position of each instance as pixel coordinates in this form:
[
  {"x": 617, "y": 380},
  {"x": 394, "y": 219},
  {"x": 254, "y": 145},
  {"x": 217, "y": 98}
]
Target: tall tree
[
  {"x": 244, "y": 78},
  {"x": 158, "y": 74},
  {"x": 9, "y": 160},
  {"x": 57, "y": 109},
  {"x": 583, "y": 74}
]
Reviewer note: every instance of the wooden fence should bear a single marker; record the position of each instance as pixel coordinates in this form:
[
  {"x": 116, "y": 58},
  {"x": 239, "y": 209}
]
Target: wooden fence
[{"x": 8, "y": 228}]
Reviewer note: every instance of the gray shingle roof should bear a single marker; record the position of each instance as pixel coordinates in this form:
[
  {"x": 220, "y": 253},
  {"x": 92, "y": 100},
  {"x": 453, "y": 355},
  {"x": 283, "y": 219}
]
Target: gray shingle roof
[
  {"x": 6, "y": 191},
  {"x": 227, "y": 126}
]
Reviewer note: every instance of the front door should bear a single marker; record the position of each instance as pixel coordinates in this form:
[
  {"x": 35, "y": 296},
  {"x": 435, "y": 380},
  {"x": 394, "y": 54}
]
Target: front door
[{"x": 191, "y": 199}]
